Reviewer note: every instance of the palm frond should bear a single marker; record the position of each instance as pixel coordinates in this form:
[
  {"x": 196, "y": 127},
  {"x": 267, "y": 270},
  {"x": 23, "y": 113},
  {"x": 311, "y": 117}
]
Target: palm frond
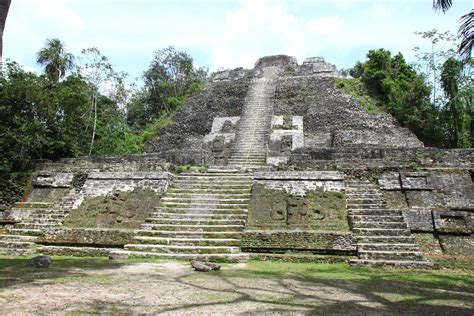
[
  {"x": 466, "y": 34},
  {"x": 442, "y": 5}
]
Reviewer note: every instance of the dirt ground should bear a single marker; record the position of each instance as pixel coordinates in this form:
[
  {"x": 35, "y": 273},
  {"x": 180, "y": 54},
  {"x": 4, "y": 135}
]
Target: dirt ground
[{"x": 174, "y": 288}]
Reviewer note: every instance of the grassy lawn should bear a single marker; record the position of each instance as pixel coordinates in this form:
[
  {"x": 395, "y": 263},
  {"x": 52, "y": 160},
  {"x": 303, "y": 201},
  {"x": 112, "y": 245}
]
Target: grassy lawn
[{"x": 269, "y": 286}]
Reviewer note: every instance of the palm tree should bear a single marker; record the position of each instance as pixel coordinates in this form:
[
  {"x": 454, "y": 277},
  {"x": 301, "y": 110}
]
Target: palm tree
[
  {"x": 55, "y": 60},
  {"x": 4, "y": 6},
  {"x": 443, "y": 5},
  {"x": 466, "y": 30},
  {"x": 466, "y": 33}
]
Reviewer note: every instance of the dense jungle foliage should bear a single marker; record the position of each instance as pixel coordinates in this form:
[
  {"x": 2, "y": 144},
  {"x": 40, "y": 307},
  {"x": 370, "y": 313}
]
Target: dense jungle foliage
[{"x": 82, "y": 106}]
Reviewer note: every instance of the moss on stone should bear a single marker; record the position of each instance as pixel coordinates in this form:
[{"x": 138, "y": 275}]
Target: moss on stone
[
  {"x": 116, "y": 210},
  {"x": 317, "y": 210},
  {"x": 329, "y": 210},
  {"x": 428, "y": 243}
]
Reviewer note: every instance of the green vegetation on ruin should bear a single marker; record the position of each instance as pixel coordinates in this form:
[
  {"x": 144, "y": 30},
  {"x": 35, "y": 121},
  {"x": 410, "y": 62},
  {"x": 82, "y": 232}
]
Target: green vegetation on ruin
[{"x": 116, "y": 210}]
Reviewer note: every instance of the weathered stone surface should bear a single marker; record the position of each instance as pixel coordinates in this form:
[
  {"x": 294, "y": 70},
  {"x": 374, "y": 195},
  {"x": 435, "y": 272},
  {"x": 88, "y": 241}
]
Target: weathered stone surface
[
  {"x": 281, "y": 241},
  {"x": 457, "y": 222},
  {"x": 102, "y": 184},
  {"x": 54, "y": 180},
  {"x": 278, "y": 205},
  {"x": 457, "y": 245},
  {"x": 416, "y": 181},
  {"x": 86, "y": 236},
  {"x": 420, "y": 220},
  {"x": 345, "y": 159},
  {"x": 205, "y": 266},
  {"x": 40, "y": 262},
  {"x": 221, "y": 98}
]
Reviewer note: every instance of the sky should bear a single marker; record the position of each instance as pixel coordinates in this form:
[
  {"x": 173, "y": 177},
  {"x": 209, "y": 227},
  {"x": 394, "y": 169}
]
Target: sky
[{"x": 224, "y": 33}]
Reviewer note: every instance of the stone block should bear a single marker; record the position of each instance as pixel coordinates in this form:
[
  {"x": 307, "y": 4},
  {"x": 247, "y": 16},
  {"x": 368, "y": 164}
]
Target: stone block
[
  {"x": 281, "y": 241},
  {"x": 390, "y": 181},
  {"x": 395, "y": 199},
  {"x": 416, "y": 181},
  {"x": 419, "y": 220},
  {"x": 317, "y": 140},
  {"x": 420, "y": 199},
  {"x": 224, "y": 124},
  {"x": 457, "y": 245},
  {"x": 53, "y": 180},
  {"x": 86, "y": 236},
  {"x": 296, "y": 205},
  {"x": 457, "y": 222}
]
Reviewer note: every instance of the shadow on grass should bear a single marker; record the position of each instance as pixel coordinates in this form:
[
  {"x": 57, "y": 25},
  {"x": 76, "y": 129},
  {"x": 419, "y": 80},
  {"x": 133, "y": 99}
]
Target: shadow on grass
[
  {"x": 15, "y": 270},
  {"x": 325, "y": 289}
]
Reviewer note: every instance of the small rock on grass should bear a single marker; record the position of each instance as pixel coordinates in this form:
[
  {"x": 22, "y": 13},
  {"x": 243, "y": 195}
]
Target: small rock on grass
[
  {"x": 40, "y": 262},
  {"x": 204, "y": 266}
]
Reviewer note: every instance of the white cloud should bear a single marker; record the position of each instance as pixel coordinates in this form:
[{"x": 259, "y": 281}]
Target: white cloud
[{"x": 224, "y": 33}]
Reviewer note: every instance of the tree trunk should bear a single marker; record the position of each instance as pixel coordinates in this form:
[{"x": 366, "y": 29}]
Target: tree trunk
[
  {"x": 4, "y": 7},
  {"x": 94, "y": 100}
]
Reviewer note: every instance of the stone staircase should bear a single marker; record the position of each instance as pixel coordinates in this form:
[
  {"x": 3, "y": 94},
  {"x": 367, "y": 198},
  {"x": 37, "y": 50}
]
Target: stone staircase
[
  {"x": 20, "y": 239},
  {"x": 201, "y": 215},
  {"x": 383, "y": 237},
  {"x": 250, "y": 147}
]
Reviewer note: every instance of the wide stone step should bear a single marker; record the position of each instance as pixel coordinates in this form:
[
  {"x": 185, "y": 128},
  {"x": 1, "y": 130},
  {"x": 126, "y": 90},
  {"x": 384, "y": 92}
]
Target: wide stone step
[
  {"x": 369, "y": 195},
  {"x": 75, "y": 251},
  {"x": 24, "y": 231},
  {"x": 43, "y": 220},
  {"x": 188, "y": 191},
  {"x": 251, "y": 155},
  {"x": 254, "y": 160},
  {"x": 187, "y": 241},
  {"x": 196, "y": 210},
  {"x": 202, "y": 205},
  {"x": 209, "y": 186},
  {"x": 32, "y": 211},
  {"x": 181, "y": 249},
  {"x": 200, "y": 216},
  {"x": 13, "y": 244},
  {"x": 171, "y": 196},
  {"x": 34, "y": 225},
  {"x": 386, "y": 225},
  {"x": 214, "y": 175},
  {"x": 386, "y": 239},
  {"x": 377, "y": 218},
  {"x": 33, "y": 205},
  {"x": 365, "y": 201},
  {"x": 365, "y": 206},
  {"x": 230, "y": 257},
  {"x": 221, "y": 169},
  {"x": 17, "y": 252},
  {"x": 195, "y": 228},
  {"x": 390, "y": 255},
  {"x": 200, "y": 221},
  {"x": 375, "y": 212},
  {"x": 49, "y": 216},
  {"x": 387, "y": 247},
  {"x": 380, "y": 232},
  {"x": 407, "y": 264},
  {"x": 187, "y": 234},
  {"x": 18, "y": 238}
]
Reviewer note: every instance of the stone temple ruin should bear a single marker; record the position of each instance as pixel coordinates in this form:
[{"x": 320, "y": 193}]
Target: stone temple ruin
[{"x": 290, "y": 167}]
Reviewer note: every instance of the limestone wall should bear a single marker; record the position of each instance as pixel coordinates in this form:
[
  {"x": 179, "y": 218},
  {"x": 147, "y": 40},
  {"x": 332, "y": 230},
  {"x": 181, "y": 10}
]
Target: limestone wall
[
  {"x": 297, "y": 200},
  {"x": 436, "y": 202}
]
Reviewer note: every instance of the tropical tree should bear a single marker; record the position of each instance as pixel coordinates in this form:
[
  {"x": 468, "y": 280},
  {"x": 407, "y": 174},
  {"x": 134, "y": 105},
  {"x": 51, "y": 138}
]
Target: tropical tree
[
  {"x": 170, "y": 79},
  {"x": 459, "y": 101},
  {"x": 466, "y": 29},
  {"x": 4, "y": 7},
  {"x": 103, "y": 80},
  {"x": 55, "y": 59}
]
